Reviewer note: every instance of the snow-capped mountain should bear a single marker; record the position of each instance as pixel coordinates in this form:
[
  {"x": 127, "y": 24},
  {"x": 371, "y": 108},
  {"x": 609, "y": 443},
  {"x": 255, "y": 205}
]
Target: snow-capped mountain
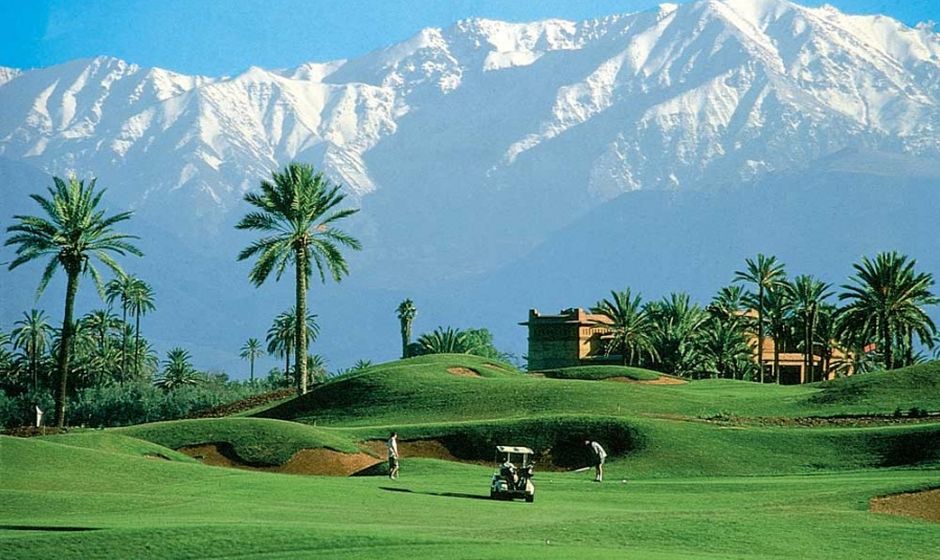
[
  {"x": 658, "y": 99},
  {"x": 469, "y": 146}
]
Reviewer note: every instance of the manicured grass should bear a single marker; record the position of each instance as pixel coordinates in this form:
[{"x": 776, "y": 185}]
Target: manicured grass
[
  {"x": 692, "y": 489},
  {"x": 163, "y": 509},
  {"x": 421, "y": 390},
  {"x": 114, "y": 442},
  {"x": 915, "y": 386},
  {"x": 597, "y": 373},
  {"x": 256, "y": 441}
]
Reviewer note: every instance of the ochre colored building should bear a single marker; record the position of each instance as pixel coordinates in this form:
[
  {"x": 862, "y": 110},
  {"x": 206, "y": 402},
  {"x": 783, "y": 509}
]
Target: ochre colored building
[
  {"x": 575, "y": 337},
  {"x": 570, "y": 338}
]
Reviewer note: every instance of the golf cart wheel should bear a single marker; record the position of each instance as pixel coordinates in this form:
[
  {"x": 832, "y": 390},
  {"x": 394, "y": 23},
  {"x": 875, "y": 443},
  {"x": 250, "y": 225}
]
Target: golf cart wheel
[{"x": 530, "y": 498}]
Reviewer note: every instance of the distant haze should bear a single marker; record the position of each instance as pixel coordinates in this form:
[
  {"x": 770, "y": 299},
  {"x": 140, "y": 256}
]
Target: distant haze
[{"x": 503, "y": 166}]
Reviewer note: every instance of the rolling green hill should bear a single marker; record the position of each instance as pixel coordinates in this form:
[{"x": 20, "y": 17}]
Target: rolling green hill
[{"x": 679, "y": 484}]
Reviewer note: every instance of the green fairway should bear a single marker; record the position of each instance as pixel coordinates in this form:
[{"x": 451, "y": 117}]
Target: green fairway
[
  {"x": 134, "y": 507},
  {"x": 678, "y": 485}
]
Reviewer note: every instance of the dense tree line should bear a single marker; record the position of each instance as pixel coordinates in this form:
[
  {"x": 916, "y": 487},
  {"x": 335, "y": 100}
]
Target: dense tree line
[{"x": 878, "y": 327}]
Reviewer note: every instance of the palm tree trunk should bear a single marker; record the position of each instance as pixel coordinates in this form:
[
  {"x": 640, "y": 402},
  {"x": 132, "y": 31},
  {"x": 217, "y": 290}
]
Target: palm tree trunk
[
  {"x": 760, "y": 330},
  {"x": 287, "y": 351},
  {"x": 65, "y": 346},
  {"x": 137, "y": 347},
  {"x": 300, "y": 341},
  {"x": 405, "y": 335},
  {"x": 777, "y": 357},
  {"x": 252, "y": 368},
  {"x": 807, "y": 373},
  {"x": 886, "y": 341},
  {"x": 124, "y": 342}
]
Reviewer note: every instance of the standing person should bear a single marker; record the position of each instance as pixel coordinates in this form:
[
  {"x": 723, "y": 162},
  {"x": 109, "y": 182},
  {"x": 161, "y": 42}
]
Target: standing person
[
  {"x": 598, "y": 454},
  {"x": 392, "y": 445}
]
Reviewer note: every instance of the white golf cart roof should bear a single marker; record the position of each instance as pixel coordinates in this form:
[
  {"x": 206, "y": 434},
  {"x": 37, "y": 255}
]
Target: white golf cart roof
[{"x": 508, "y": 449}]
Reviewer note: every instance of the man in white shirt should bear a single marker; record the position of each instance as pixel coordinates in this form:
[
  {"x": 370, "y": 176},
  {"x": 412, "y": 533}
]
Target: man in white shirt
[
  {"x": 392, "y": 445},
  {"x": 599, "y": 455}
]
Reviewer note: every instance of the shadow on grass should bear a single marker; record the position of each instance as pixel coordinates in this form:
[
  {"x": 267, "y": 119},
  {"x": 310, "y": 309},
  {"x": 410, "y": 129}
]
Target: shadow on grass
[
  {"x": 45, "y": 528},
  {"x": 439, "y": 494}
]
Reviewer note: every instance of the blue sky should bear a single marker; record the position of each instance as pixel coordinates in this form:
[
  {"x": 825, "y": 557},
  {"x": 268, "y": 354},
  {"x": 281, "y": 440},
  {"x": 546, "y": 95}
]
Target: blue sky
[{"x": 216, "y": 37}]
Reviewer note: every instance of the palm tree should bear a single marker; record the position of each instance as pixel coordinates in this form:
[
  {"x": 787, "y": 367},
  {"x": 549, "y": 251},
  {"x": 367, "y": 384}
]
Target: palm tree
[
  {"x": 765, "y": 273},
  {"x": 281, "y": 335},
  {"x": 101, "y": 322},
  {"x": 31, "y": 335},
  {"x": 808, "y": 295},
  {"x": 76, "y": 230},
  {"x": 297, "y": 212},
  {"x": 406, "y": 314},
  {"x": 777, "y": 307},
  {"x": 140, "y": 302},
  {"x": 886, "y": 300},
  {"x": 677, "y": 326},
  {"x": 629, "y": 324},
  {"x": 251, "y": 351},
  {"x": 120, "y": 288},
  {"x": 730, "y": 304},
  {"x": 724, "y": 346},
  {"x": 177, "y": 370},
  {"x": 444, "y": 341}
]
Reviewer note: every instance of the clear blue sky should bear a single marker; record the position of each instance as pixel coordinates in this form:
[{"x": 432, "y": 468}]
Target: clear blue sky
[{"x": 217, "y": 37}]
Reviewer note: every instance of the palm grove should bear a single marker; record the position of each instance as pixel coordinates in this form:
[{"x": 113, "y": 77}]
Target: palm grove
[{"x": 102, "y": 356}]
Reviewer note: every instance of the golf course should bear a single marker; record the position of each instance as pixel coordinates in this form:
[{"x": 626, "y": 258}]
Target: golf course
[{"x": 848, "y": 468}]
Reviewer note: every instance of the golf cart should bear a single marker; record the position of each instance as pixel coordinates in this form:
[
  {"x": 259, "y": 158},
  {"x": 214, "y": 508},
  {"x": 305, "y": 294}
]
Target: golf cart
[{"x": 511, "y": 481}]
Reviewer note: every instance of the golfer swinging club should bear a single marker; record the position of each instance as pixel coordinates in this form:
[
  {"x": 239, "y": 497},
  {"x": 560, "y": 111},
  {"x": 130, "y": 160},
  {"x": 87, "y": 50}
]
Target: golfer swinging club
[{"x": 599, "y": 455}]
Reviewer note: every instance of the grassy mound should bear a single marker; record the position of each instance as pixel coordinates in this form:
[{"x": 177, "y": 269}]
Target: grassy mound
[
  {"x": 597, "y": 373},
  {"x": 555, "y": 440},
  {"x": 116, "y": 443},
  {"x": 905, "y": 388},
  {"x": 255, "y": 441}
]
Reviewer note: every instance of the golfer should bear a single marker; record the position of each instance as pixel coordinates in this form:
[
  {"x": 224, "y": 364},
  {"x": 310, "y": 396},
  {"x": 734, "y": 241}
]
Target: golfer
[
  {"x": 598, "y": 455},
  {"x": 392, "y": 445}
]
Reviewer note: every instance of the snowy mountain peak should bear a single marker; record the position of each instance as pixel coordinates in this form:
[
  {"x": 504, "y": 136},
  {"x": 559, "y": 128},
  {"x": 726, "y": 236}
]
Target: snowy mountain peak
[{"x": 716, "y": 90}]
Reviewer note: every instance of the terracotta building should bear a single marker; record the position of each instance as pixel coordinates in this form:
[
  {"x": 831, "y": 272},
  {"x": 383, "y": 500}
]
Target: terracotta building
[
  {"x": 571, "y": 338},
  {"x": 575, "y": 337}
]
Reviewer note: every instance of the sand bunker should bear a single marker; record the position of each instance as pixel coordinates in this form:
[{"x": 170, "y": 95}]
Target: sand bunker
[
  {"x": 923, "y": 505},
  {"x": 306, "y": 461},
  {"x": 661, "y": 380},
  {"x": 460, "y": 371},
  {"x": 423, "y": 448}
]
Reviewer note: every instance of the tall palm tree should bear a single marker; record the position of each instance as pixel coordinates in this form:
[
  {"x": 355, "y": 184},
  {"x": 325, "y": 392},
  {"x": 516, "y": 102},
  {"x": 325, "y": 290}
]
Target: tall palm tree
[
  {"x": 75, "y": 231},
  {"x": 777, "y": 312},
  {"x": 406, "y": 315},
  {"x": 281, "y": 335},
  {"x": 297, "y": 212},
  {"x": 631, "y": 330},
  {"x": 886, "y": 300},
  {"x": 31, "y": 335},
  {"x": 121, "y": 288},
  {"x": 140, "y": 302},
  {"x": 807, "y": 295},
  {"x": 251, "y": 351},
  {"x": 765, "y": 273}
]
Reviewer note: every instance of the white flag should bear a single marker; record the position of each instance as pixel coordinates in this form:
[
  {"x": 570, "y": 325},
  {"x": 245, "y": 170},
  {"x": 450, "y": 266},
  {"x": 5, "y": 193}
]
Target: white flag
[{"x": 38, "y": 417}]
